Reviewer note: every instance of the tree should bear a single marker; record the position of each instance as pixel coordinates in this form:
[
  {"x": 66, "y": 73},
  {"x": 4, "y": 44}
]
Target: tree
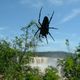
[
  {"x": 67, "y": 45},
  {"x": 6, "y": 54},
  {"x": 15, "y": 55},
  {"x": 34, "y": 74},
  {"x": 70, "y": 67},
  {"x": 51, "y": 74}
]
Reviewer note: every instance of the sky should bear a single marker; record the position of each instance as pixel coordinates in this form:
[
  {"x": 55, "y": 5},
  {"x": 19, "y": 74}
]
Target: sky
[{"x": 17, "y": 13}]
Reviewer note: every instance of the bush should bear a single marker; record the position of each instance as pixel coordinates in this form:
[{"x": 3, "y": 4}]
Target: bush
[{"x": 70, "y": 67}]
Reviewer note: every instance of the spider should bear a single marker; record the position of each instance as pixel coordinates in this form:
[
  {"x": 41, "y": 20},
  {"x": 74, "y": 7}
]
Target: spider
[{"x": 44, "y": 26}]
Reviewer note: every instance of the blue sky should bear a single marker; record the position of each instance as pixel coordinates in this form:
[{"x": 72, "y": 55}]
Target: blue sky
[{"x": 17, "y": 13}]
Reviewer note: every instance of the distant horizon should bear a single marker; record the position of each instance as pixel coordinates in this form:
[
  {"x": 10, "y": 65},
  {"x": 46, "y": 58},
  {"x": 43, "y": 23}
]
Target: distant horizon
[{"x": 54, "y": 51}]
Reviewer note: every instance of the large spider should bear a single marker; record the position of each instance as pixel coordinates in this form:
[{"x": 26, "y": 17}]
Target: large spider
[
  {"x": 44, "y": 26},
  {"x": 44, "y": 29}
]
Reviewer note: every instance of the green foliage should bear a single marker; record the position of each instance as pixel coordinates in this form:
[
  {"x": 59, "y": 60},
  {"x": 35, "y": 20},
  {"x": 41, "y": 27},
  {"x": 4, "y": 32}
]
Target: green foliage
[
  {"x": 6, "y": 54},
  {"x": 14, "y": 56},
  {"x": 8, "y": 61},
  {"x": 33, "y": 74},
  {"x": 17, "y": 69},
  {"x": 71, "y": 67},
  {"x": 51, "y": 74}
]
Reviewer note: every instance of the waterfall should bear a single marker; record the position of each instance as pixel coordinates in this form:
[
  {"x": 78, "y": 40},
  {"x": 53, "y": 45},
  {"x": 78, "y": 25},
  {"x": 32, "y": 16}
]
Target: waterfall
[
  {"x": 43, "y": 62},
  {"x": 40, "y": 60}
]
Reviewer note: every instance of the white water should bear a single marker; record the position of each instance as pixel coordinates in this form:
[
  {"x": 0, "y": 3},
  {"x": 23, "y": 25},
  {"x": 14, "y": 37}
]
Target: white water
[{"x": 43, "y": 62}]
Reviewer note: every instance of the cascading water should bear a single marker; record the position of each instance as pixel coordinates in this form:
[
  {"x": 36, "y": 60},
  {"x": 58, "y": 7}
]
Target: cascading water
[{"x": 43, "y": 62}]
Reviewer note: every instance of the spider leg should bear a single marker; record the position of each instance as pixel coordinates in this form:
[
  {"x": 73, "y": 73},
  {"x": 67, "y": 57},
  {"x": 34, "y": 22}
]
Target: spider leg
[
  {"x": 40, "y": 37},
  {"x": 51, "y": 36},
  {"x": 39, "y": 16},
  {"x": 51, "y": 17},
  {"x": 46, "y": 39},
  {"x": 53, "y": 28},
  {"x": 36, "y": 32}
]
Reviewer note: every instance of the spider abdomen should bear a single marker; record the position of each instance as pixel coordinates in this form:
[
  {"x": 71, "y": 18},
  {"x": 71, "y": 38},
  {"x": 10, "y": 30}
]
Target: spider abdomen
[
  {"x": 45, "y": 26},
  {"x": 45, "y": 22}
]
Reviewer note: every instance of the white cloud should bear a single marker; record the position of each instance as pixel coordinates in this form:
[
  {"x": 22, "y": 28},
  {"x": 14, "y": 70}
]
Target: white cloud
[
  {"x": 40, "y": 3},
  {"x": 72, "y": 15},
  {"x": 71, "y": 1},
  {"x": 25, "y": 1},
  {"x": 2, "y": 36},
  {"x": 34, "y": 3},
  {"x": 62, "y": 2},
  {"x": 56, "y": 2},
  {"x": 1, "y": 28}
]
